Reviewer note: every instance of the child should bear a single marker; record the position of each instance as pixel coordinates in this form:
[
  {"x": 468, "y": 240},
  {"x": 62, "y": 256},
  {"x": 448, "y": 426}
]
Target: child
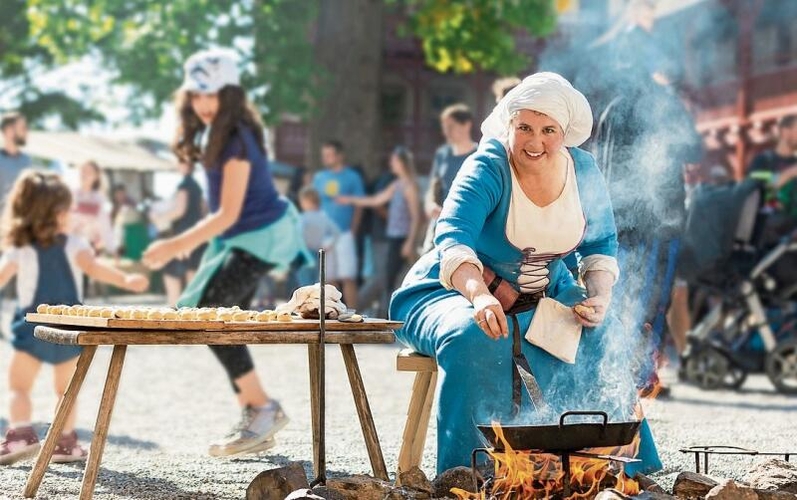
[
  {"x": 318, "y": 230},
  {"x": 250, "y": 229},
  {"x": 49, "y": 266}
]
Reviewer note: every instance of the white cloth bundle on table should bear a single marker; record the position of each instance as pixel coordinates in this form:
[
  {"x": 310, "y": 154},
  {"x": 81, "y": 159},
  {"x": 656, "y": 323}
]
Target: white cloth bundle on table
[{"x": 306, "y": 301}]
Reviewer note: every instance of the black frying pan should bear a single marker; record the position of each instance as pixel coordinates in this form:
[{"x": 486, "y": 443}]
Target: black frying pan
[{"x": 565, "y": 437}]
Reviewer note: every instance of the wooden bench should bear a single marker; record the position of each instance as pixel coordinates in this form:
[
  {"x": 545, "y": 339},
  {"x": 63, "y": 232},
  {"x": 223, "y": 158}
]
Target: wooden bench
[{"x": 420, "y": 407}]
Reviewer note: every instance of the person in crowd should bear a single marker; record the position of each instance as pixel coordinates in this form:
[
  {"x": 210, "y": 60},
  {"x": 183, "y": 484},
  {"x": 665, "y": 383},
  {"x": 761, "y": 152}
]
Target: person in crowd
[
  {"x": 646, "y": 139},
  {"x": 13, "y": 160},
  {"x": 502, "y": 86},
  {"x": 318, "y": 230},
  {"x": 337, "y": 179},
  {"x": 91, "y": 216},
  {"x": 300, "y": 178},
  {"x": 456, "y": 122},
  {"x": 249, "y": 231},
  {"x": 374, "y": 294},
  {"x": 404, "y": 216},
  {"x": 524, "y": 200},
  {"x": 186, "y": 210},
  {"x": 49, "y": 263},
  {"x": 778, "y": 167},
  {"x": 123, "y": 212}
]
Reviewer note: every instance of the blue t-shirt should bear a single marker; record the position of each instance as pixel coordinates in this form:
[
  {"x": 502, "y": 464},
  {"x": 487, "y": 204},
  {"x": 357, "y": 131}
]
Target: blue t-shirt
[
  {"x": 330, "y": 184},
  {"x": 262, "y": 203}
]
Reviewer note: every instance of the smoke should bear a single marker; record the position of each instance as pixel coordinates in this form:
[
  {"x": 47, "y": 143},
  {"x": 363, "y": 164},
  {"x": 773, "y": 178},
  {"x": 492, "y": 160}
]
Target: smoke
[{"x": 644, "y": 136}]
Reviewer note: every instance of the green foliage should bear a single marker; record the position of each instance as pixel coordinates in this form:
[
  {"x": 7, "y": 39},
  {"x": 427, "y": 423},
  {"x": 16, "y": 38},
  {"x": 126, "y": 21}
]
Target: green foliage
[
  {"x": 466, "y": 35},
  {"x": 144, "y": 43},
  {"x": 21, "y": 59}
]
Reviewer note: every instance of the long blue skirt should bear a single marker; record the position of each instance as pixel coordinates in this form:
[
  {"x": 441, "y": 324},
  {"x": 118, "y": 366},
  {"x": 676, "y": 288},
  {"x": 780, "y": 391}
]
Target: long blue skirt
[{"x": 476, "y": 372}]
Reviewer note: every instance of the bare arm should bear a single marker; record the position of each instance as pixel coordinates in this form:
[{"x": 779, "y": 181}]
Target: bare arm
[
  {"x": 376, "y": 200},
  {"x": 413, "y": 204},
  {"x": 467, "y": 280},
  {"x": 599, "y": 294},
  {"x": 98, "y": 271}
]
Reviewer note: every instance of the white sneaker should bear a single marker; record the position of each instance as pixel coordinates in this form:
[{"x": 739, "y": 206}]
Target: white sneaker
[{"x": 254, "y": 432}]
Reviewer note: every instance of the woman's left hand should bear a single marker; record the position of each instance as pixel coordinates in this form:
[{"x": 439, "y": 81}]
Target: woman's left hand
[
  {"x": 159, "y": 253},
  {"x": 592, "y": 311},
  {"x": 343, "y": 200}
]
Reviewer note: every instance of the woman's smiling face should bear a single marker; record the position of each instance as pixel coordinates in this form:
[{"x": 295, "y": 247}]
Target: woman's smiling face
[
  {"x": 206, "y": 106},
  {"x": 534, "y": 139}
]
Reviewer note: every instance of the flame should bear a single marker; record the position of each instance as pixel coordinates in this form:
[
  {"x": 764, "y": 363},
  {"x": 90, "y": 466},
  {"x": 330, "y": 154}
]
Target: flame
[{"x": 523, "y": 475}]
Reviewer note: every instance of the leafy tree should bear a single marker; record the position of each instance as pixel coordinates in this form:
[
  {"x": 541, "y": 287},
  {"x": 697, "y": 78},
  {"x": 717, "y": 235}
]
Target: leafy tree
[
  {"x": 145, "y": 44},
  {"x": 22, "y": 59},
  {"x": 479, "y": 34},
  {"x": 316, "y": 59}
]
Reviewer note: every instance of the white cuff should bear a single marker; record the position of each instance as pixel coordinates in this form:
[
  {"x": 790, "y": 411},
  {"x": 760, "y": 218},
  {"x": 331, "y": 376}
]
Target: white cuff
[
  {"x": 454, "y": 257},
  {"x": 599, "y": 262}
]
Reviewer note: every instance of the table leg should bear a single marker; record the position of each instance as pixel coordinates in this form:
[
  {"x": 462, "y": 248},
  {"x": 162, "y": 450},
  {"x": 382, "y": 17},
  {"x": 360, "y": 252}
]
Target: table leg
[
  {"x": 319, "y": 460},
  {"x": 364, "y": 411},
  {"x": 103, "y": 420},
  {"x": 57, "y": 427}
]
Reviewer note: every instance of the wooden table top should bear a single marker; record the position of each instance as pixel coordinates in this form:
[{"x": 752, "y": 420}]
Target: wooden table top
[{"x": 372, "y": 331}]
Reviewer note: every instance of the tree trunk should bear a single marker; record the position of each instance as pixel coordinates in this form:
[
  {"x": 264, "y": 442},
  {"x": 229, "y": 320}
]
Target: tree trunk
[{"x": 349, "y": 51}]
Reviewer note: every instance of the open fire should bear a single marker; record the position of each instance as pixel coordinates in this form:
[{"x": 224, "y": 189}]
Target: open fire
[{"x": 523, "y": 474}]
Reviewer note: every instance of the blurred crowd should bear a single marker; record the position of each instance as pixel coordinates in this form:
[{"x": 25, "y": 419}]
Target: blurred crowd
[{"x": 373, "y": 229}]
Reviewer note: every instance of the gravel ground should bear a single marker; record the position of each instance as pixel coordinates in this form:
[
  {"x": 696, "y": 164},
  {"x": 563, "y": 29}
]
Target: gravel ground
[{"x": 173, "y": 401}]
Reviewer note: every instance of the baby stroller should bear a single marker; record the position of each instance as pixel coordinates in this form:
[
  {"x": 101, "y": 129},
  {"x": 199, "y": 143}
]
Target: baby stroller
[{"x": 743, "y": 272}]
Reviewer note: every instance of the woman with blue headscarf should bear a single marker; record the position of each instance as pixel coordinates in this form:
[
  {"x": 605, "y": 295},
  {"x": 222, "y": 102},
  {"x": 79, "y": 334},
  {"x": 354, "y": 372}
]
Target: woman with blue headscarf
[{"x": 523, "y": 201}]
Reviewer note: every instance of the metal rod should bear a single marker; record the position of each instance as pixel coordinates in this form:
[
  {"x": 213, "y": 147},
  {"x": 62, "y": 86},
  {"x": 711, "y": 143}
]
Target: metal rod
[
  {"x": 478, "y": 479},
  {"x": 322, "y": 313},
  {"x": 727, "y": 450},
  {"x": 566, "y": 470}
]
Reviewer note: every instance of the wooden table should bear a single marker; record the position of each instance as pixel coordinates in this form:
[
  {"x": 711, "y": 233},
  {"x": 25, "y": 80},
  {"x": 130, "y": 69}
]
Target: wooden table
[{"x": 297, "y": 332}]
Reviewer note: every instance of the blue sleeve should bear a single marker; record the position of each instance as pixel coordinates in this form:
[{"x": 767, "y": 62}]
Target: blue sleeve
[
  {"x": 474, "y": 195},
  {"x": 235, "y": 148},
  {"x": 601, "y": 234}
]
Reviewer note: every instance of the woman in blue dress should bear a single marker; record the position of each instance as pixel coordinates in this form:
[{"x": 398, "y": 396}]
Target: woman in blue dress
[{"x": 524, "y": 201}]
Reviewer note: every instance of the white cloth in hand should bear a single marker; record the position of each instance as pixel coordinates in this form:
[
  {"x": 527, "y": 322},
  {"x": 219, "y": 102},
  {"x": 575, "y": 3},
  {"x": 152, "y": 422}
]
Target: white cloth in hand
[
  {"x": 554, "y": 329},
  {"x": 308, "y": 298}
]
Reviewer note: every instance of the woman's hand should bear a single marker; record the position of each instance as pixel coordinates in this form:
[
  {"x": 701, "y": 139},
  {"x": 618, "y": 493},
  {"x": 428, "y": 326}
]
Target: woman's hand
[
  {"x": 592, "y": 311},
  {"x": 490, "y": 316},
  {"x": 136, "y": 283},
  {"x": 160, "y": 253}
]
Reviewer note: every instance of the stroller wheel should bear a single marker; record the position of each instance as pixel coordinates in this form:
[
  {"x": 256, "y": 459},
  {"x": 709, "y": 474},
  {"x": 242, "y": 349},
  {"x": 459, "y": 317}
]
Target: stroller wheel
[
  {"x": 781, "y": 366},
  {"x": 708, "y": 368},
  {"x": 735, "y": 378}
]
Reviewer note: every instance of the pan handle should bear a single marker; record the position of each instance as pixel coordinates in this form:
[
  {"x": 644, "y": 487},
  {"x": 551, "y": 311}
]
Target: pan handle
[{"x": 585, "y": 413}]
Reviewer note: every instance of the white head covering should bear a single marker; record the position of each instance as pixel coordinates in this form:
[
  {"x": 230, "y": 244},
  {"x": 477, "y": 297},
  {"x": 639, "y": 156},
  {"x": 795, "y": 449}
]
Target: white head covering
[
  {"x": 209, "y": 71},
  {"x": 546, "y": 93}
]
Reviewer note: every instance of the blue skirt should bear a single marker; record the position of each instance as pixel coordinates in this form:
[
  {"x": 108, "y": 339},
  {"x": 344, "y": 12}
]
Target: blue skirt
[
  {"x": 24, "y": 340},
  {"x": 476, "y": 372}
]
